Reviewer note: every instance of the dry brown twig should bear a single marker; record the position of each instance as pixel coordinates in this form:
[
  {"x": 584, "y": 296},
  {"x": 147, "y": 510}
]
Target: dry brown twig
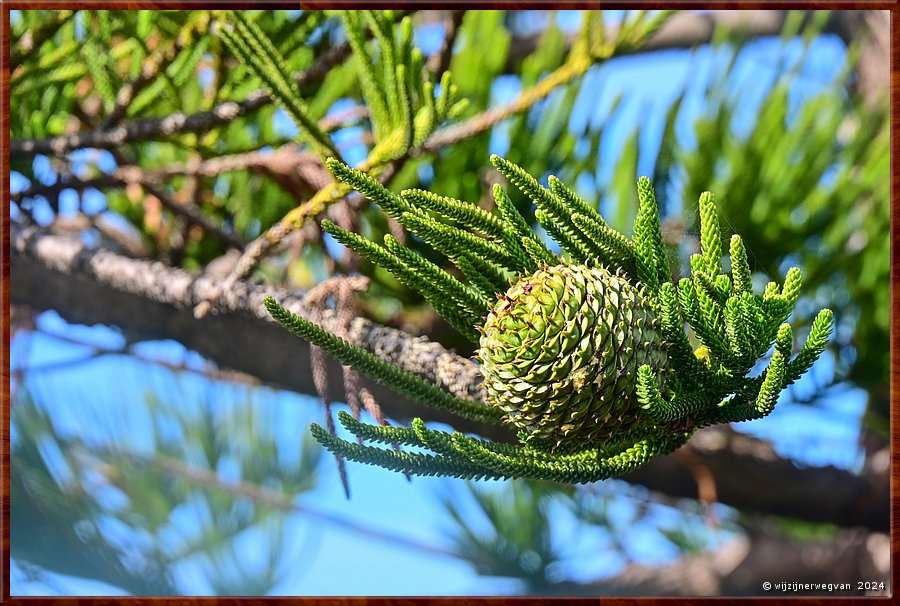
[{"x": 341, "y": 289}]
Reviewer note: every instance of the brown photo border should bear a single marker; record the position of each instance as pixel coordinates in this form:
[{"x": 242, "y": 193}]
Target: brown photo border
[{"x": 7, "y": 6}]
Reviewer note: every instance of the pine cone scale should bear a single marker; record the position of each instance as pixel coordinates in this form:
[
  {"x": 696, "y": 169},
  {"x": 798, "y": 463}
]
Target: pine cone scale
[{"x": 560, "y": 350}]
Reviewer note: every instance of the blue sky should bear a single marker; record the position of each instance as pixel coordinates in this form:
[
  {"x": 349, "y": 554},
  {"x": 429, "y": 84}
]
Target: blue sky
[{"x": 103, "y": 398}]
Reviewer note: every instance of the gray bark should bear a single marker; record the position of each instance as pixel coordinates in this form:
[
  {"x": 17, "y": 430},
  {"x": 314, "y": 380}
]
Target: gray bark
[{"x": 149, "y": 300}]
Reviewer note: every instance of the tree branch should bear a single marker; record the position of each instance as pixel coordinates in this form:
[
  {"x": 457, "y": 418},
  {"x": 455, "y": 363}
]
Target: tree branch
[
  {"x": 177, "y": 123},
  {"x": 690, "y": 29},
  {"x": 152, "y": 301},
  {"x": 683, "y": 31},
  {"x": 287, "y": 158},
  {"x": 749, "y": 474}
]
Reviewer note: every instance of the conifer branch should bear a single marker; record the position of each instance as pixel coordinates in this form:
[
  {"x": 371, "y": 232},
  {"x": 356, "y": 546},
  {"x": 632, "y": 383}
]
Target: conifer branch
[
  {"x": 812, "y": 349},
  {"x": 455, "y": 242},
  {"x": 791, "y": 289},
  {"x": 784, "y": 340},
  {"x": 703, "y": 282},
  {"x": 660, "y": 409},
  {"x": 384, "y": 434},
  {"x": 468, "y": 300},
  {"x": 699, "y": 319},
  {"x": 463, "y": 213},
  {"x": 260, "y": 55},
  {"x": 740, "y": 267},
  {"x": 520, "y": 229},
  {"x": 737, "y": 335},
  {"x": 404, "y": 462},
  {"x": 732, "y": 410},
  {"x": 383, "y": 30},
  {"x": 536, "y": 250},
  {"x": 670, "y": 388},
  {"x": 413, "y": 274},
  {"x": 482, "y": 276},
  {"x": 567, "y": 238},
  {"x": 178, "y": 123},
  {"x": 372, "y": 93},
  {"x": 772, "y": 384},
  {"x": 426, "y": 118},
  {"x": 606, "y": 243},
  {"x": 554, "y": 216},
  {"x": 654, "y": 269},
  {"x": 710, "y": 237},
  {"x": 406, "y": 111},
  {"x": 679, "y": 348},
  {"x": 404, "y": 382},
  {"x": 394, "y": 206},
  {"x": 573, "y": 201}
]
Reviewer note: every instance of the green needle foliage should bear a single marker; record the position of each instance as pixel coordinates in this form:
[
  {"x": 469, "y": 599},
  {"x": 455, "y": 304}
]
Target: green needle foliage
[
  {"x": 402, "y": 105},
  {"x": 614, "y": 362},
  {"x": 250, "y": 44}
]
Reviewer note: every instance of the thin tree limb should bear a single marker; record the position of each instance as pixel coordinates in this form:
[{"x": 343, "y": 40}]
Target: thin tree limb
[
  {"x": 193, "y": 216},
  {"x": 691, "y": 29},
  {"x": 156, "y": 63},
  {"x": 439, "y": 62},
  {"x": 175, "y": 124},
  {"x": 334, "y": 191},
  {"x": 288, "y": 157},
  {"x": 152, "y": 301}
]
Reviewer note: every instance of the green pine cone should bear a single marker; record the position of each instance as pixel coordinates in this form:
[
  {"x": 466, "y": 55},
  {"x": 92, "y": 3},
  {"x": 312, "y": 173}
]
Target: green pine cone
[{"x": 560, "y": 350}]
